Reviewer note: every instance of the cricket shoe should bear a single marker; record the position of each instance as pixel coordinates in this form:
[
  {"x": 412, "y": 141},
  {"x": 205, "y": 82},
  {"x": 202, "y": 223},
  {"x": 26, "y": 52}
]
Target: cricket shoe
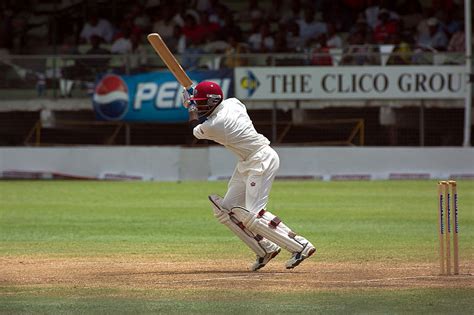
[
  {"x": 262, "y": 261},
  {"x": 298, "y": 257}
]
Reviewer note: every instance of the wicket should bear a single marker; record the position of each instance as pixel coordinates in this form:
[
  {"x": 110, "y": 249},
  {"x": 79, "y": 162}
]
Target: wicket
[{"x": 447, "y": 223}]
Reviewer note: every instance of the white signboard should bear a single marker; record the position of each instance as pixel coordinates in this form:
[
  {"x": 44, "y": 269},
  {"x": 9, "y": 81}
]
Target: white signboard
[{"x": 374, "y": 82}]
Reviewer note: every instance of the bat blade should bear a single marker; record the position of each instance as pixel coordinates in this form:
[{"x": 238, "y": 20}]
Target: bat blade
[{"x": 170, "y": 61}]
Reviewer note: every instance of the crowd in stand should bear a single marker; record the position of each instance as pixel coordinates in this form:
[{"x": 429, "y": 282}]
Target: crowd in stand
[{"x": 355, "y": 27}]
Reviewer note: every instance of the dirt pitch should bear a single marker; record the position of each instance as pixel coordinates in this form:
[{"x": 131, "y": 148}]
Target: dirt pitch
[{"x": 136, "y": 273}]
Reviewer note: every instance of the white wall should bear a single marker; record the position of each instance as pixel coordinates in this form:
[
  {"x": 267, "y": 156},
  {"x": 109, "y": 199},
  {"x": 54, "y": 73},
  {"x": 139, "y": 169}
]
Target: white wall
[{"x": 176, "y": 163}]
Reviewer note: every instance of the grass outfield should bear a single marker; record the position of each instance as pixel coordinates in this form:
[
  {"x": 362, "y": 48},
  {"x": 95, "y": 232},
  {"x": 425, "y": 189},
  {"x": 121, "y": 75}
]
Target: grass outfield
[{"x": 145, "y": 247}]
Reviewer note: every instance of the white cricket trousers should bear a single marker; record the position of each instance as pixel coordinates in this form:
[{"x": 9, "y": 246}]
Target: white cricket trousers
[{"x": 252, "y": 181}]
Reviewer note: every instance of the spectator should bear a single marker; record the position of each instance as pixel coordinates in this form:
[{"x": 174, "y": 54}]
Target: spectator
[
  {"x": 422, "y": 29},
  {"x": 253, "y": 12},
  {"x": 372, "y": 13},
  {"x": 385, "y": 28},
  {"x": 214, "y": 45},
  {"x": 40, "y": 84},
  {"x": 340, "y": 16},
  {"x": 333, "y": 40},
  {"x": 457, "y": 46},
  {"x": 402, "y": 53},
  {"x": 128, "y": 27},
  {"x": 219, "y": 14},
  {"x": 203, "y": 5},
  {"x": 233, "y": 51},
  {"x": 361, "y": 27},
  {"x": 229, "y": 28},
  {"x": 448, "y": 23},
  {"x": 262, "y": 41},
  {"x": 100, "y": 28},
  {"x": 96, "y": 48},
  {"x": 280, "y": 39},
  {"x": 123, "y": 44},
  {"x": 68, "y": 47},
  {"x": 309, "y": 27},
  {"x": 190, "y": 30},
  {"x": 279, "y": 8},
  {"x": 139, "y": 18},
  {"x": 457, "y": 43},
  {"x": 294, "y": 14},
  {"x": 321, "y": 56},
  {"x": 177, "y": 42},
  {"x": 164, "y": 24},
  {"x": 411, "y": 14},
  {"x": 255, "y": 25},
  {"x": 205, "y": 27},
  {"x": 435, "y": 39},
  {"x": 96, "y": 64},
  {"x": 180, "y": 16},
  {"x": 139, "y": 53},
  {"x": 192, "y": 54},
  {"x": 293, "y": 38},
  {"x": 359, "y": 52}
]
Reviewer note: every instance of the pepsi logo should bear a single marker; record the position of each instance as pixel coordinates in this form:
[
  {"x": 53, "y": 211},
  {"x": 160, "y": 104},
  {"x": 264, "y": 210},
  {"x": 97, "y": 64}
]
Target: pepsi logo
[{"x": 110, "y": 97}]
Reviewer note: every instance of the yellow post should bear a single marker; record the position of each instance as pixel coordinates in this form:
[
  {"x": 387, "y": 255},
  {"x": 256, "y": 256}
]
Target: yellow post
[
  {"x": 441, "y": 226},
  {"x": 447, "y": 226},
  {"x": 454, "y": 220}
]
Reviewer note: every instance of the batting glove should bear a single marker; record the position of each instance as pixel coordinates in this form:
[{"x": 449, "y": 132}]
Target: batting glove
[{"x": 186, "y": 95}]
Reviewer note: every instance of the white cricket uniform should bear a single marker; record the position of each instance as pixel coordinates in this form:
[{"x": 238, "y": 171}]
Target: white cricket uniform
[{"x": 230, "y": 125}]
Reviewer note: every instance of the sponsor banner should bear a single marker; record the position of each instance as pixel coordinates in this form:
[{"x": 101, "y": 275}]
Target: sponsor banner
[
  {"x": 374, "y": 82},
  {"x": 152, "y": 96}
]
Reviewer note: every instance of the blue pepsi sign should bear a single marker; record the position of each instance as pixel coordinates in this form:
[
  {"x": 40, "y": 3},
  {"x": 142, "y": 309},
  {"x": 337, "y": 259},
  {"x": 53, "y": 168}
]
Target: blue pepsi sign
[{"x": 154, "y": 96}]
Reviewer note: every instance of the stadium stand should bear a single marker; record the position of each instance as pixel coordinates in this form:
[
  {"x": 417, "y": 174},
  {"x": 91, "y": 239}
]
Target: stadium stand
[{"x": 53, "y": 51}]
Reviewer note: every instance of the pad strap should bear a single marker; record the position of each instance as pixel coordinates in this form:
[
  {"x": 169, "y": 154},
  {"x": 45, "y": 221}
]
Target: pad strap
[
  {"x": 257, "y": 243},
  {"x": 270, "y": 227}
]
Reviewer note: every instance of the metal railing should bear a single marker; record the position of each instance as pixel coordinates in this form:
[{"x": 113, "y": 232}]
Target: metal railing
[{"x": 343, "y": 132}]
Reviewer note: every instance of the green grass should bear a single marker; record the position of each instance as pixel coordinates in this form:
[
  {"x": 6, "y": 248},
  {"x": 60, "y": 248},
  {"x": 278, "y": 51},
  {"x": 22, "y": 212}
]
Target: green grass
[
  {"x": 381, "y": 221},
  {"x": 425, "y": 301}
]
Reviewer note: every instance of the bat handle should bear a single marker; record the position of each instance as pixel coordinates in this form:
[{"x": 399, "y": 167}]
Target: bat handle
[
  {"x": 187, "y": 93},
  {"x": 190, "y": 90}
]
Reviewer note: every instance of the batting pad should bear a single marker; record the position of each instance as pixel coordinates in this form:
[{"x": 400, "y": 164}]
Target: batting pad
[
  {"x": 270, "y": 227},
  {"x": 257, "y": 243}
]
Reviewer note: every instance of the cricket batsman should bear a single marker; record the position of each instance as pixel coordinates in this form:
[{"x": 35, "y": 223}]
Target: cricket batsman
[{"x": 243, "y": 208}]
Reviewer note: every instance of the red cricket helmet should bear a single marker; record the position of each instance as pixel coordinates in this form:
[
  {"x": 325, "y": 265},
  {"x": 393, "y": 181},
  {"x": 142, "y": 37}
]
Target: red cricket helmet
[{"x": 207, "y": 96}]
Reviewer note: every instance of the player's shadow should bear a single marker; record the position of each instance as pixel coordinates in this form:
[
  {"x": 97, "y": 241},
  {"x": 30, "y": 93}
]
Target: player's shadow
[{"x": 243, "y": 273}]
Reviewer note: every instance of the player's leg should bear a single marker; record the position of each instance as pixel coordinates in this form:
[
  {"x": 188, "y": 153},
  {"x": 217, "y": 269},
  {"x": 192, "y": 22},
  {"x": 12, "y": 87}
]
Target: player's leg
[
  {"x": 271, "y": 227},
  {"x": 263, "y": 248},
  {"x": 235, "y": 196},
  {"x": 262, "y": 222}
]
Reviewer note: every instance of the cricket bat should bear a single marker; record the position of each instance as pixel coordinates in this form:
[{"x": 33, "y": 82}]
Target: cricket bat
[{"x": 170, "y": 61}]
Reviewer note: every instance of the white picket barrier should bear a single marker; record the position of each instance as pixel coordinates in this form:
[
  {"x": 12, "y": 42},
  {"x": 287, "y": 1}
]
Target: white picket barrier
[{"x": 178, "y": 163}]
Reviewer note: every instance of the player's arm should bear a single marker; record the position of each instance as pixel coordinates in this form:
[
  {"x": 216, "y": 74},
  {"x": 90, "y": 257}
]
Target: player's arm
[
  {"x": 193, "y": 116},
  {"x": 191, "y": 106},
  {"x": 193, "y": 113}
]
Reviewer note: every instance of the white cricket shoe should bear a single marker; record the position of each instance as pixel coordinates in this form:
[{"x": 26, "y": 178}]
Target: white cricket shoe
[
  {"x": 297, "y": 258},
  {"x": 262, "y": 261}
]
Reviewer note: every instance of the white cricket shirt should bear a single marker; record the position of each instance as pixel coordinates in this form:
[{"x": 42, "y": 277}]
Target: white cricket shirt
[{"x": 230, "y": 125}]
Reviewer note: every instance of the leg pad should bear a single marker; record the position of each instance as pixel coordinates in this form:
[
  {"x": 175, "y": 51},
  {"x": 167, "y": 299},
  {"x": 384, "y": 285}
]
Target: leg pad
[
  {"x": 270, "y": 227},
  {"x": 254, "y": 241}
]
